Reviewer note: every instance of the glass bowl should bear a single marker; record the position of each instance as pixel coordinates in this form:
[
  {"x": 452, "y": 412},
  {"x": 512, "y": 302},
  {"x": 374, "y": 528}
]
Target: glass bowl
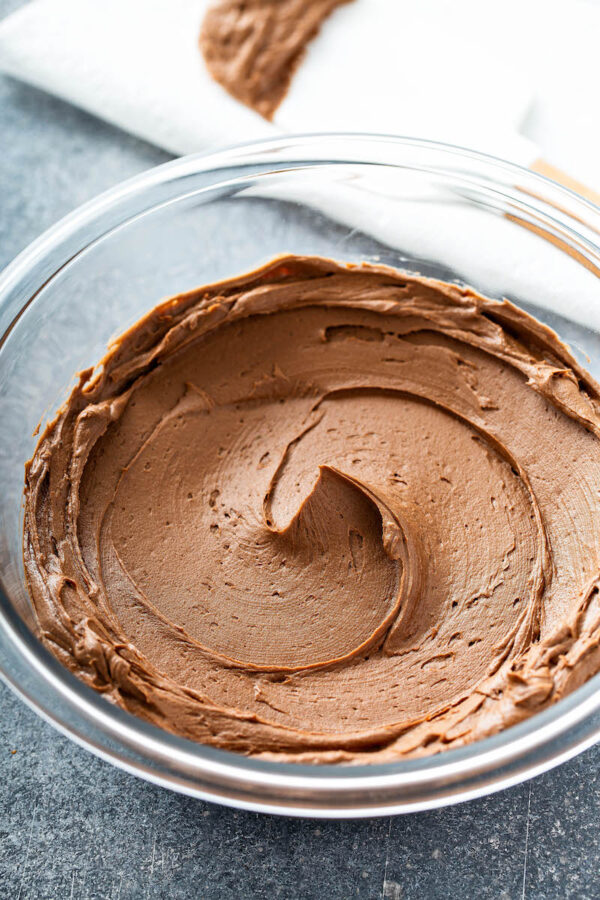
[{"x": 424, "y": 207}]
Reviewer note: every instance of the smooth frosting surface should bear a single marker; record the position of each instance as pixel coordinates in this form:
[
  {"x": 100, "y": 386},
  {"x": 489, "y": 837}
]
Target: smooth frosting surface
[{"x": 324, "y": 513}]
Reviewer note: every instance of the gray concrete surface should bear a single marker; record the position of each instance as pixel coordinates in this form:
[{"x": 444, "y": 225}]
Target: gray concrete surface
[{"x": 72, "y": 826}]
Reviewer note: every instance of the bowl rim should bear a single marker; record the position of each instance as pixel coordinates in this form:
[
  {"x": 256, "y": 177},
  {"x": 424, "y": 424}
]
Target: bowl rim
[{"x": 522, "y": 751}]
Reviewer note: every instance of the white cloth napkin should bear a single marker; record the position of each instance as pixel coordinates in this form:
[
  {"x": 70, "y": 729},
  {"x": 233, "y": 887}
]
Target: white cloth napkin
[
  {"x": 464, "y": 71},
  {"x": 377, "y": 65},
  {"x": 454, "y": 70}
]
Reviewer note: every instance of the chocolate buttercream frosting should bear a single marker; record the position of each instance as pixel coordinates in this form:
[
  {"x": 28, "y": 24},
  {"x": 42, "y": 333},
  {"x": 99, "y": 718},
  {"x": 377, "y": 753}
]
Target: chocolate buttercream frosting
[
  {"x": 253, "y": 47},
  {"x": 324, "y": 513}
]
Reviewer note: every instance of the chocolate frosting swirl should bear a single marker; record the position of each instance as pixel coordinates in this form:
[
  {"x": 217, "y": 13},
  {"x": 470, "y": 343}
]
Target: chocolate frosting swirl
[{"x": 324, "y": 513}]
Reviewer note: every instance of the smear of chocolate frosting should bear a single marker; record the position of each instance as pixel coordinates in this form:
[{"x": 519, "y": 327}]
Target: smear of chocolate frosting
[
  {"x": 324, "y": 513},
  {"x": 253, "y": 47}
]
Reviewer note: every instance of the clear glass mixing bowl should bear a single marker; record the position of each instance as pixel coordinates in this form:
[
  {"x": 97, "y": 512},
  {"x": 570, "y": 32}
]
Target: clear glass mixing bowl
[{"x": 425, "y": 207}]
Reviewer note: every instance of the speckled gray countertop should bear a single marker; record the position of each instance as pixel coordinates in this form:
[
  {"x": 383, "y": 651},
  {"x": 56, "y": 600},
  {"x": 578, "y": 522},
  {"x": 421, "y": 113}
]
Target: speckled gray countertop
[{"x": 72, "y": 826}]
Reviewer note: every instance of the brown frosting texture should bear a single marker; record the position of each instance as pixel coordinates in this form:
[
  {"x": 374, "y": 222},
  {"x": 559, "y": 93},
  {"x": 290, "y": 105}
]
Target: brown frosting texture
[
  {"x": 324, "y": 513},
  {"x": 253, "y": 47}
]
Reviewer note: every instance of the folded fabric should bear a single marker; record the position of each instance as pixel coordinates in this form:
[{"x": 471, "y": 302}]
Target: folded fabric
[
  {"x": 429, "y": 69},
  {"x": 377, "y": 65}
]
